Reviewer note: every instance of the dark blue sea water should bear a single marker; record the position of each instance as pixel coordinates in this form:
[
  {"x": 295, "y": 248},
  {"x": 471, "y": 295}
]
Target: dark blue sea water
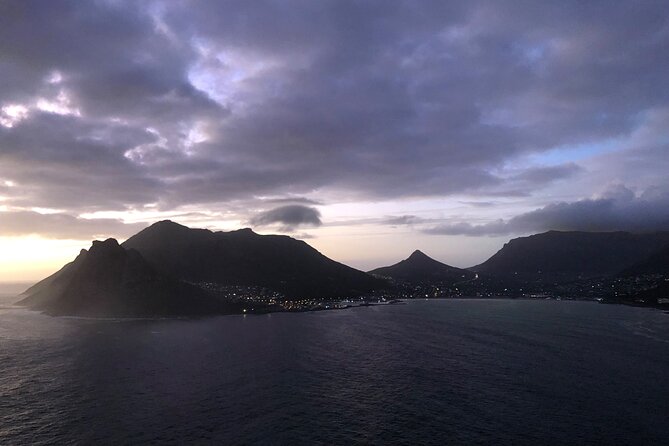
[{"x": 429, "y": 372}]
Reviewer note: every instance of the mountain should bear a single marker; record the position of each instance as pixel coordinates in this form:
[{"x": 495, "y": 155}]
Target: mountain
[
  {"x": 656, "y": 263},
  {"x": 243, "y": 257},
  {"x": 110, "y": 281},
  {"x": 419, "y": 268},
  {"x": 556, "y": 255}
]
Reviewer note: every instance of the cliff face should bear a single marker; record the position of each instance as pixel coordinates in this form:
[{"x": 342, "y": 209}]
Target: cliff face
[{"x": 110, "y": 281}]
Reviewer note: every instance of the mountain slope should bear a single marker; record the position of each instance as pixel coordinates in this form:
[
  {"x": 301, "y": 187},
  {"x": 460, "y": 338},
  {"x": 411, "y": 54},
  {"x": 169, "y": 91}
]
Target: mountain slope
[
  {"x": 558, "y": 255},
  {"x": 111, "y": 281},
  {"x": 243, "y": 257},
  {"x": 656, "y": 263},
  {"x": 419, "y": 268}
]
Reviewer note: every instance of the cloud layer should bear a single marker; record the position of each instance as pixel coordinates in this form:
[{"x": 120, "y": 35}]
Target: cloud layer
[
  {"x": 63, "y": 226},
  {"x": 117, "y": 105},
  {"x": 618, "y": 210},
  {"x": 288, "y": 217}
]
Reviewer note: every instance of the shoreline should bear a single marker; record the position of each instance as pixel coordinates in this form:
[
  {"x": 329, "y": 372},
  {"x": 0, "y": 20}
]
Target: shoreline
[
  {"x": 662, "y": 307},
  {"x": 193, "y": 317}
]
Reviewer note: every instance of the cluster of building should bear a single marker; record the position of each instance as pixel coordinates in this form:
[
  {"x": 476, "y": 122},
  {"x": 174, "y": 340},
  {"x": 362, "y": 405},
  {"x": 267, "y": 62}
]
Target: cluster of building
[{"x": 259, "y": 300}]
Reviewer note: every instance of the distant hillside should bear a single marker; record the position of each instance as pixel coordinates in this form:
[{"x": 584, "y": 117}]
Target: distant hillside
[
  {"x": 558, "y": 255},
  {"x": 419, "y": 268},
  {"x": 656, "y": 263},
  {"x": 652, "y": 295},
  {"x": 110, "y": 281},
  {"x": 243, "y": 257},
  {"x": 656, "y": 296}
]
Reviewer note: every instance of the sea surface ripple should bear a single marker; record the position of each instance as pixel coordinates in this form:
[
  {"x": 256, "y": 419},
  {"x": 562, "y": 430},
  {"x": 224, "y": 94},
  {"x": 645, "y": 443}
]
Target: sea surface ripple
[{"x": 430, "y": 372}]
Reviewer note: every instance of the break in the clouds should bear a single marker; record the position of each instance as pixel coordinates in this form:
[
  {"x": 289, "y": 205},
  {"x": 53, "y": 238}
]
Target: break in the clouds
[
  {"x": 123, "y": 105},
  {"x": 288, "y": 217}
]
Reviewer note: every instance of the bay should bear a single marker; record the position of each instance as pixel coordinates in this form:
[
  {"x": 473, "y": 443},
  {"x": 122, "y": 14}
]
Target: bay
[{"x": 428, "y": 372}]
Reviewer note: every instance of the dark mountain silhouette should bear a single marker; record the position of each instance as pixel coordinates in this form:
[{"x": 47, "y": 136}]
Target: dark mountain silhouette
[
  {"x": 419, "y": 268},
  {"x": 558, "y": 255},
  {"x": 110, "y": 281},
  {"x": 656, "y": 263},
  {"x": 243, "y": 257}
]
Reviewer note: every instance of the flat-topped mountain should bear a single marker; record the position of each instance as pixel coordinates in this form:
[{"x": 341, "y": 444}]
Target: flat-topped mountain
[
  {"x": 108, "y": 280},
  {"x": 419, "y": 268},
  {"x": 243, "y": 257},
  {"x": 557, "y": 255}
]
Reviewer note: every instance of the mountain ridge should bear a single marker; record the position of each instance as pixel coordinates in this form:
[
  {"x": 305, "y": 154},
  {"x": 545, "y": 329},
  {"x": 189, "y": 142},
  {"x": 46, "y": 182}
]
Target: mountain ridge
[
  {"x": 168, "y": 269},
  {"x": 243, "y": 257},
  {"x": 571, "y": 254}
]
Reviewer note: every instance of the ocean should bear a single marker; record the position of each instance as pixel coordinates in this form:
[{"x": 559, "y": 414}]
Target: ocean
[{"x": 509, "y": 372}]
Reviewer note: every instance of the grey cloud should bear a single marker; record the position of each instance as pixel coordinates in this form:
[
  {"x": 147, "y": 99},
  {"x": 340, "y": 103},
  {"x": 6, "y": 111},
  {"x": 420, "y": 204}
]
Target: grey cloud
[
  {"x": 619, "y": 209},
  {"x": 228, "y": 101},
  {"x": 303, "y": 236},
  {"x": 65, "y": 162},
  {"x": 515, "y": 182},
  {"x": 403, "y": 220},
  {"x": 399, "y": 146},
  {"x": 479, "y": 204},
  {"x": 547, "y": 174},
  {"x": 289, "y": 217},
  {"x": 463, "y": 228},
  {"x": 113, "y": 58},
  {"x": 64, "y": 226},
  {"x": 293, "y": 200}
]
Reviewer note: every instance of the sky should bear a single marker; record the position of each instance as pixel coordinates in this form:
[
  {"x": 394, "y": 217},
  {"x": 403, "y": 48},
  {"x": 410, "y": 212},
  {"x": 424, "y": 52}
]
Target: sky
[{"x": 368, "y": 129}]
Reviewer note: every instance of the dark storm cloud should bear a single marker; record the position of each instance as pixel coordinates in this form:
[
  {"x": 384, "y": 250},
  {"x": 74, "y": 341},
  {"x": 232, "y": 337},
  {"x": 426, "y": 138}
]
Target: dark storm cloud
[
  {"x": 64, "y": 226},
  {"x": 289, "y": 217},
  {"x": 177, "y": 103},
  {"x": 617, "y": 210}
]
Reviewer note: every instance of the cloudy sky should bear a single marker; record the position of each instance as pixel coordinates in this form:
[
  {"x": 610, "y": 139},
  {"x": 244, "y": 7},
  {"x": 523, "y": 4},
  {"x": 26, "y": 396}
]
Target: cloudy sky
[{"x": 367, "y": 128}]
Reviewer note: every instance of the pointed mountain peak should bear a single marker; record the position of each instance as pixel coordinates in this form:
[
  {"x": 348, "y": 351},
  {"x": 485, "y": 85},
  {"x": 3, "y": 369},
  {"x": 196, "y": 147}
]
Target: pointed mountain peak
[
  {"x": 164, "y": 224},
  {"x": 420, "y": 268},
  {"x": 165, "y": 228},
  {"x": 418, "y": 255}
]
